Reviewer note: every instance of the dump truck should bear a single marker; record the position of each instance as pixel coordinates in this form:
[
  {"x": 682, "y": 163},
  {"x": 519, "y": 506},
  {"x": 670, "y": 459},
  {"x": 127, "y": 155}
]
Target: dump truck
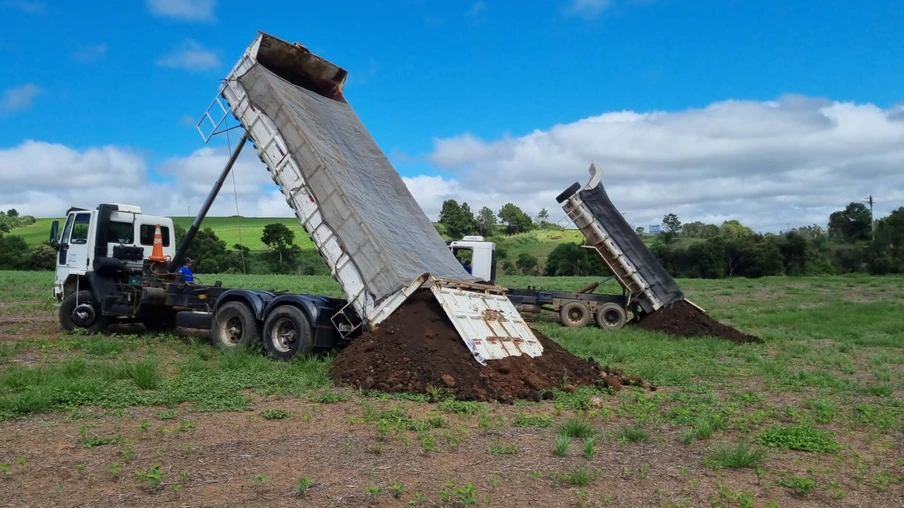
[
  {"x": 367, "y": 226},
  {"x": 574, "y": 308},
  {"x": 648, "y": 286}
]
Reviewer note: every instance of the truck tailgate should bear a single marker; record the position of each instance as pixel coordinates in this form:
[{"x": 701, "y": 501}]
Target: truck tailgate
[{"x": 486, "y": 320}]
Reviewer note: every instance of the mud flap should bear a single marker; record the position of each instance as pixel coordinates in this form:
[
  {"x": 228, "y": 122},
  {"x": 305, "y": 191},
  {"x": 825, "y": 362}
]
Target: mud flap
[{"x": 486, "y": 320}]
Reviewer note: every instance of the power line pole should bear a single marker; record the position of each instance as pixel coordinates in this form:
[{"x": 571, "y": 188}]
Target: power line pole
[{"x": 872, "y": 222}]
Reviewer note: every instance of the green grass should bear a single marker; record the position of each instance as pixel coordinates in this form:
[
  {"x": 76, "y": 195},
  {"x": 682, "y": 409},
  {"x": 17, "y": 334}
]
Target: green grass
[
  {"x": 734, "y": 457},
  {"x": 798, "y": 437},
  {"x": 834, "y": 343}
]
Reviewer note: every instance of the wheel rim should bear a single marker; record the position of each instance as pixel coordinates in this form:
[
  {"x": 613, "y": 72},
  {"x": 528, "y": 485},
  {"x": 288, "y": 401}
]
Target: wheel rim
[
  {"x": 576, "y": 314},
  {"x": 611, "y": 317},
  {"x": 232, "y": 330},
  {"x": 283, "y": 335},
  {"x": 83, "y": 315}
]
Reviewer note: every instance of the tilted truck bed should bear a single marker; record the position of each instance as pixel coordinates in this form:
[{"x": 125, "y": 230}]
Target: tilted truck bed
[
  {"x": 369, "y": 229},
  {"x": 610, "y": 235}
]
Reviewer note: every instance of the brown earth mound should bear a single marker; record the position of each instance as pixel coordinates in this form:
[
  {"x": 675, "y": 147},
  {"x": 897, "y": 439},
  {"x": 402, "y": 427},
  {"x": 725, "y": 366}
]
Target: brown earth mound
[
  {"x": 685, "y": 320},
  {"x": 417, "y": 349}
]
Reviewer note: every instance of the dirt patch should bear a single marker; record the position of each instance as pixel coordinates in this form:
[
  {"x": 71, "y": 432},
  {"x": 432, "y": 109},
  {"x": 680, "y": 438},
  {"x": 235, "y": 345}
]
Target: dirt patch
[
  {"x": 685, "y": 320},
  {"x": 417, "y": 349}
]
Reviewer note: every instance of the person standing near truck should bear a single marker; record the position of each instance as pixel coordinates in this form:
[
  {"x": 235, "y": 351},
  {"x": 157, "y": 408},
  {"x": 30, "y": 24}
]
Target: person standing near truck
[{"x": 186, "y": 272}]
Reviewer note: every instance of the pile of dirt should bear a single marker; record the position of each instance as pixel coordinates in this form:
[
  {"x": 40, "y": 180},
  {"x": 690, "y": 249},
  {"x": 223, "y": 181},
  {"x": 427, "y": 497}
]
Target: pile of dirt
[
  {"x": 685, "y": 320},
  {"x": 417, "y": 349}
]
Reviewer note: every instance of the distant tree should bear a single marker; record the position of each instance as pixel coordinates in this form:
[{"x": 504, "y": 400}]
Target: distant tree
[
  {"x": 693, "y": 230},
  {"x": 888, "y": 249},
  {"x": 850, "y": 224},
  {"x": 671, "y": 223},
  {"x": 12, "y": 212},
  {"x": 734, "y": 229},
  {"x": 281, "y": 240},
  {"x": 527, "y": 263},
  {"x": 457, "y": 219},
  {"x": 16, "y": 254},
  {"x": 542, "y": 216},
  {"x": 486, "y": 221},
  {"x": 43, "y": 257},
  {"x": 206, "y": 251},
  {"x": 572, "y": 259},
  {"x": 515, "y": 218},
  {"x": 639, "y": 230}
]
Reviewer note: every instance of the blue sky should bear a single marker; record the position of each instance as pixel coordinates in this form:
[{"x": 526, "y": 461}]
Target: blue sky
[{"x": 130, "y": 74}]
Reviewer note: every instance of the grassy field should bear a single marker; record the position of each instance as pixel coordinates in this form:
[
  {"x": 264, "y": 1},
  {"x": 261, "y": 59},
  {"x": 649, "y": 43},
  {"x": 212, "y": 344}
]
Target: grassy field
[{"x": 812, "y": 417}]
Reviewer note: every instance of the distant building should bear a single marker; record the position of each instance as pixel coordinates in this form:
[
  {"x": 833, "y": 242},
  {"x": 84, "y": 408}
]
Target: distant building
[{"x": 654, "y": 229}]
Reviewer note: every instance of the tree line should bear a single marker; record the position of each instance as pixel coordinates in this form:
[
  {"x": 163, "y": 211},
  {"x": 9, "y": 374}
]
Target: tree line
[
  {"x": 457, "y": 220},
  {"x": 851, "y": 243}
]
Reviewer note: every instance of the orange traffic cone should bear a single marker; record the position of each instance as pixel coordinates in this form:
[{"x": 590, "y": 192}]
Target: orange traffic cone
[{"x": 157, "y": 253}]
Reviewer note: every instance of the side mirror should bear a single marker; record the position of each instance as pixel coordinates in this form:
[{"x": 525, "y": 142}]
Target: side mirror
[{"x": 54, "y": 233}]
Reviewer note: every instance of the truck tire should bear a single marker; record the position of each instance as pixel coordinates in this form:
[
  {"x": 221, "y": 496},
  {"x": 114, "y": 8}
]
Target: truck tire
[
  {"x": 80, "y": 310},
  {"x": 287, "y": 333},
  {"x": 574, "y": 314},
  {"x": 611, "y": 316},
  {"x": 567, "y": 193},
  {"x": 234, "y": 326}
]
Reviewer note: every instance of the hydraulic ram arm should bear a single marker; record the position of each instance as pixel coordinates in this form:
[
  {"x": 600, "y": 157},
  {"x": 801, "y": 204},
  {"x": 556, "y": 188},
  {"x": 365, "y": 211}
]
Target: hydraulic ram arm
[{"x": 196, "y": 225}]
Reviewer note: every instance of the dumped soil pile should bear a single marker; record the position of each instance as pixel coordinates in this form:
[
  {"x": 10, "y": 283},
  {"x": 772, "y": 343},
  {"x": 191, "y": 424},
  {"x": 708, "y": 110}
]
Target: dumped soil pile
[
  {"x": 417, "y": 349},
  {"x": 685, "y": 320}
]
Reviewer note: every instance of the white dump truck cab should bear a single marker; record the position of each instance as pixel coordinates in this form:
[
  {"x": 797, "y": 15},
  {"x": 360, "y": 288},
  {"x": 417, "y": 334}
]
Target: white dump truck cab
[
  {"x": 110, "y": 234},
  {"x": 480, "y": 253}
]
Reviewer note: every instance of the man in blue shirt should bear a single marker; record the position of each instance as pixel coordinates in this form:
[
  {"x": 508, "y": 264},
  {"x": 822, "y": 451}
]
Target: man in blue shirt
[{"x": 186, "y": 272}]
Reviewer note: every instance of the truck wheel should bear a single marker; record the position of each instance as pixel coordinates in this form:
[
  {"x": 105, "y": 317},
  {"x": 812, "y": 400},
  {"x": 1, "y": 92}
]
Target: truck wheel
[
  {"x": 574, "y": 314},
  {"x": 234, "y": 326},
  {"x": 287, "y": 333},
  {"x": 611, "y": 316},
  {"x": 80, "y": 310},
  {"x": 567, "y": 193}
]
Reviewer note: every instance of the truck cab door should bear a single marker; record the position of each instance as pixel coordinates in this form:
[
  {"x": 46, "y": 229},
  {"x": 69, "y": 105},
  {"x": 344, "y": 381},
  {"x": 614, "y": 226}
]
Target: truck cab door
[{"x": 74, "y": 246}]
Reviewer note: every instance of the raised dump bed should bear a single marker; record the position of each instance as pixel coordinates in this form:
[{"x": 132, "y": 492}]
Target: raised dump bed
[
  {"x": 369, "y": 229},
  {"x": 610, "y": 235}
]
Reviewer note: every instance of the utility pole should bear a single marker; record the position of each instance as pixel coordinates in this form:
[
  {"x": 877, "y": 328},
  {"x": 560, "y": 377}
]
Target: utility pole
[{"x": 872, "y": 222}]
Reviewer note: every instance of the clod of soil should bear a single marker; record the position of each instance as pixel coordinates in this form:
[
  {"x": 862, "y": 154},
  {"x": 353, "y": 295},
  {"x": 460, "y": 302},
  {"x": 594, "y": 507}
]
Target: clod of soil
[
  {"x": 417, "y": 349},
  {"x": 685, "y": 320}
]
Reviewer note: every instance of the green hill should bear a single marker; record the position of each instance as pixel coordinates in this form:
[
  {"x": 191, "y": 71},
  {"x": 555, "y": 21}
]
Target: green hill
[{"x": 248, "y": 231}]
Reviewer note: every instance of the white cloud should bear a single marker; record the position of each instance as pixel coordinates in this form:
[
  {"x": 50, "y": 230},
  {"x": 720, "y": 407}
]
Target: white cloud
[
  {"x": 188, "y": 10},
  {"x": 192, "y": 56},
  {"x": 33, "y": 7},
  {"x": 91, "y": 53},
  {"x": 769, "y": 164},
  {"x": 19, "y": 98},
  {"x": 44, "y": 179},
  {"x": 478, "y": 9},
  {"x": 587, "y": 9}
]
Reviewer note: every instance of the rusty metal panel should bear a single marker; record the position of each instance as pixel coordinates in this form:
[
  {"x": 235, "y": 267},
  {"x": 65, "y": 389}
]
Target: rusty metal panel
[{"x": 486, "y": 320}]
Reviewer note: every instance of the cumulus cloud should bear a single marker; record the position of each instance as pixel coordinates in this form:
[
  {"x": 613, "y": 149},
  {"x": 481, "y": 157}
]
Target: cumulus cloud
[
  {"x": 19, "y": 98},
  {"x": 44, "y": 179},
  {"x": 769, "y": 164},
  {"x": 187, "y": 10},
  {"x": 587, "y": 9},
  {"x": 90, "y": 53},
  {"x": 32, "y": 7},
  {"x": 192, "y": 56}
]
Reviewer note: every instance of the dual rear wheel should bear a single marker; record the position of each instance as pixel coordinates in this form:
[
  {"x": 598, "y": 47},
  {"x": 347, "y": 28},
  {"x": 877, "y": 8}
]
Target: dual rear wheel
[
  {"x": 610, "y": 316},
  {"x": 285, "y": 333}
]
